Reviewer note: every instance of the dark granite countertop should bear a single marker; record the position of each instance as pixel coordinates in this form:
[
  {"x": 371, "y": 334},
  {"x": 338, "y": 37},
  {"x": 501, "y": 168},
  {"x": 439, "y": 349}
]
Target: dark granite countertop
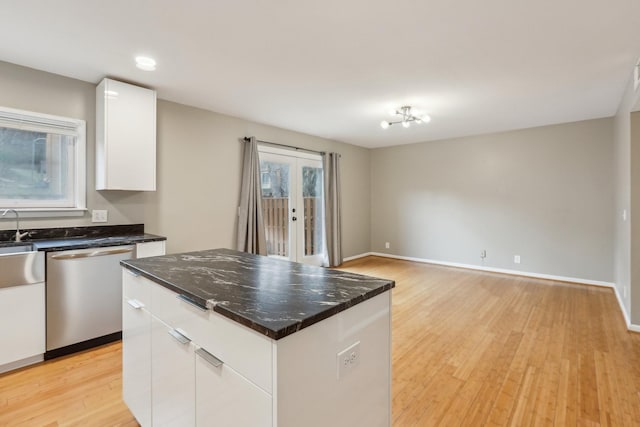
[
  {"x": 69, "y": 238},
  {"x": 93, "y": 242},
  {"x": 273, "y": 297}
]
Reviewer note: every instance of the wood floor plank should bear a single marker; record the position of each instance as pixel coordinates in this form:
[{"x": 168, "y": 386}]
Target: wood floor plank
[{"x": 470, "y": 348}]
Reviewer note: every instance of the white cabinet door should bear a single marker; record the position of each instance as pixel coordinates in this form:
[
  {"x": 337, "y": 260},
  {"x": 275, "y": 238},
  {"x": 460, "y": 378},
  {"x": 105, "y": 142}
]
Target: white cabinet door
[
  {"x": 226, "y": 399},
  {"x": 22, "y": 322},
  {"x": 172, "y": 377},
  {"x": 136, "y": 354},
  {"x": 125, "y": 137},
  {"x": 147, "y": 249}
]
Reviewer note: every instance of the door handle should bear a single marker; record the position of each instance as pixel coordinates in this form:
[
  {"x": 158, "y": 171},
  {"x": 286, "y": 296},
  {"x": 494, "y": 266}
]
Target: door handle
[
  {"x": 179, "y": 335},
  {"x": 208, "y": 357},
  {"x": 135, "y": 303},
  {"x": 92, "y": 254}
]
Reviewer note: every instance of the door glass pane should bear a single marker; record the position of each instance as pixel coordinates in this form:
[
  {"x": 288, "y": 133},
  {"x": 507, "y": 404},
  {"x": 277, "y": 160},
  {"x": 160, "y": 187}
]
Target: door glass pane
[
  {"x": 275, "y": 206},
  {"x": 313, "y": 222}
]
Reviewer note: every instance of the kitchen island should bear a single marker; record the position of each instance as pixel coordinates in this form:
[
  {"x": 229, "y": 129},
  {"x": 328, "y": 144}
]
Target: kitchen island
[{"x": 225, "y": 338}]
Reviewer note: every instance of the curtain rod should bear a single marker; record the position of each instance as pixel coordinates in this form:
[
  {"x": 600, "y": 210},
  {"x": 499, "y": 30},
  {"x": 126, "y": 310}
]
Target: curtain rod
[{"x": 246, "y": 139}]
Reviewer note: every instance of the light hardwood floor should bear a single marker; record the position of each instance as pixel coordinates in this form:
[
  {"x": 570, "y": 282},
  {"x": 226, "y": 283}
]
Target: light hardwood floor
[{"x": 469, "y": 348}]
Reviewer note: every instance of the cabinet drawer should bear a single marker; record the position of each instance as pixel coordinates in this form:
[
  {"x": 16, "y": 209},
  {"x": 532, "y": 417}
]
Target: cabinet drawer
[
  {"x": 239, "y": 347},
  {"x": 136, "y": 355},
  {"x": 225, "y": 398},
  {"x": 136, "y": 288}
]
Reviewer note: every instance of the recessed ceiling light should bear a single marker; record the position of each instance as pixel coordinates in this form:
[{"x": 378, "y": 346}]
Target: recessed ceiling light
[{"x": 145, "y": 63}]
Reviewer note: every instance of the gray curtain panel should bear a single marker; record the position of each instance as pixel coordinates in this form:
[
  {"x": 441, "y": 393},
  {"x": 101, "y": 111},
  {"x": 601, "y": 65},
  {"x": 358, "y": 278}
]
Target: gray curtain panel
[
  {"x": 332, "y": 221},
  {"x": 251, "y": 235}
]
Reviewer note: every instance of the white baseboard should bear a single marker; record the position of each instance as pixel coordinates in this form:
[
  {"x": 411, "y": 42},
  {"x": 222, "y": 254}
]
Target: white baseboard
[
  {"x": 622, "y": 309},
  {"x": 499, "y": 270},
  {"x": 351, "y": 258},
  {"x": 630, "y": 326},
  {"x": 21, "y": 363}
]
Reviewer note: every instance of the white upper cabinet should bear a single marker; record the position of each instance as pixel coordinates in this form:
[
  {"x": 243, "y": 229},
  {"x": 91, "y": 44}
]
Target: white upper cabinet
[{"x": 125, "y": 137}]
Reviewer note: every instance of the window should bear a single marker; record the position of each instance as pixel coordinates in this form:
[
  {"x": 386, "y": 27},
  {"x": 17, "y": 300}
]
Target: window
[{"x": 42, "y": 161}]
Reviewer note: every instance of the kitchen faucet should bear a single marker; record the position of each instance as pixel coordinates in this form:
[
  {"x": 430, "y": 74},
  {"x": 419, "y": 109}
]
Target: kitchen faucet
[{"x": 19, "y": 235}]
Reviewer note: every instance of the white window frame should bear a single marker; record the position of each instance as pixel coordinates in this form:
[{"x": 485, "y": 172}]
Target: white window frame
[{"x": 39, "y": 122}]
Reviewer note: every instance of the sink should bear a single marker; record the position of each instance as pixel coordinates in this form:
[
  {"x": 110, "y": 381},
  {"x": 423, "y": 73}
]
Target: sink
[{"x": 16, "y": 249}]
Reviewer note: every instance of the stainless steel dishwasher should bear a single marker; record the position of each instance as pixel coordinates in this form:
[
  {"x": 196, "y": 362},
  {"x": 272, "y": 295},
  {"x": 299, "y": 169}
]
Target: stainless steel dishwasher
[{"x": 84, "y": 298}]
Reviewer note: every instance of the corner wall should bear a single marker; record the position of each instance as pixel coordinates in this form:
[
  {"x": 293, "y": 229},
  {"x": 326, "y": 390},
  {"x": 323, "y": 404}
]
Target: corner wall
[
  {"x": 544, "y": 193},
  {"x": 627, "y": 286}
]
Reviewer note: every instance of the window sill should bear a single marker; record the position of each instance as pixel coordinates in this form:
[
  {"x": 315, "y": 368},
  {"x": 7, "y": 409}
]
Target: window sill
[{"x": 49, "y": 212}]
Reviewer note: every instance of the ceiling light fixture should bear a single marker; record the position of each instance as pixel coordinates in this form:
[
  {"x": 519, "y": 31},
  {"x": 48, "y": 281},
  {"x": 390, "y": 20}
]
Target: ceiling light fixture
[
  {"x": 145, "y": 63},
  {"x": 406, "y": 117}
]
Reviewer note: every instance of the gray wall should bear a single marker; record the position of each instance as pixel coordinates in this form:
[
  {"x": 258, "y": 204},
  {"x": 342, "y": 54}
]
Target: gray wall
[
  {"x": 545, "y": 194},
  {"x": 32, "y": 90},
  {"x": 198, "y": 167}
]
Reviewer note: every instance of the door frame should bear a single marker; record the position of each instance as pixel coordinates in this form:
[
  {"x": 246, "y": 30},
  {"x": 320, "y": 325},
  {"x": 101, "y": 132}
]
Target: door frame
[{"x": 296, "y": 228}]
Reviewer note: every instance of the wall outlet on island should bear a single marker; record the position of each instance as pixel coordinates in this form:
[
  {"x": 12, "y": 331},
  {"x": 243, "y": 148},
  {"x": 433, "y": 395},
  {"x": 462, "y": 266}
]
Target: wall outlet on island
[
  {"x": 99, "y": 215},
  {"x": 516, "y": 259},
  {"x": 387, "y": 245},
  {"x": 348, "y": 360}
]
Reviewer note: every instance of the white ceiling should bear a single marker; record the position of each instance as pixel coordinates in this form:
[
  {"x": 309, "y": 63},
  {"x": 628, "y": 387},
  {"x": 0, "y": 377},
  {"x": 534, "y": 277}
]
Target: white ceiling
[{"x": 334, "y": 68}]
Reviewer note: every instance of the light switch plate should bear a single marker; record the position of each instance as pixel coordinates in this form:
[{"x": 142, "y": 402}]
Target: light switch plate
[{"x": 99, "y": 215}]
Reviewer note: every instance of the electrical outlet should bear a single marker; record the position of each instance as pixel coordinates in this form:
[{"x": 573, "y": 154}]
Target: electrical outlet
[
  {"x": 99, "y": 215},
  {"x": 516, "y": 259},
  {"x": 483, "y": 253},
  {"x": 348, "y": 360},
  {"x": 387, "y": 245},
  {"x": 624, "y": 214}
]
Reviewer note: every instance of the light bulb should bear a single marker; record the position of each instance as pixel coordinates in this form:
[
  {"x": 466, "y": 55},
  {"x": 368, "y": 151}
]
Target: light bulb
[
  {"x": 406, "y": 124},
  {"x": 145, "y": 63},
  {"x": 426, "y": 118},
  {"x": 384, "y": 124}
]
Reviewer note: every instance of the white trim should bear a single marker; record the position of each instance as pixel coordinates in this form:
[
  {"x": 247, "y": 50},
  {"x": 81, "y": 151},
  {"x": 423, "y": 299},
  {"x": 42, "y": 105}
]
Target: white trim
[
  {"x": 500, "y": 270},
  {"x": 630, "y": 326},
  {"x": 627, "y": 321},
  {"x": 636, "y": 75},
  {"x": 21, "y": 363},
  {"x": 289, "y": 152},
  {"x": 48, "y": 212},
  {"x": 351, "y": 258}
]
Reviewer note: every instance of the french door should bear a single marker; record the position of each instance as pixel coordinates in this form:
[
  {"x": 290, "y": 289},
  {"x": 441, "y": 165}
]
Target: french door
[{"x": 292, "y": 204}]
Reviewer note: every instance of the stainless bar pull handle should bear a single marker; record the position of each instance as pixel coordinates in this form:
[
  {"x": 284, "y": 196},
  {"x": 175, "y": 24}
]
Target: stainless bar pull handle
[
  {"x": 92, "y": 254},
  {"x": 191, "y": 302},
  {"x": 131, "y": 272},
  {"x": 179, "y": 336},
  {"x": 209, "y": 357},
  {"x": 135, "y": 304}
]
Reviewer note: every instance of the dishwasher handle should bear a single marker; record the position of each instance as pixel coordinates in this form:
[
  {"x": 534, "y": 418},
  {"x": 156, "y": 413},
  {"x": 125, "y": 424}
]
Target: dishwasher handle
[{"x": 93, "y": 254}]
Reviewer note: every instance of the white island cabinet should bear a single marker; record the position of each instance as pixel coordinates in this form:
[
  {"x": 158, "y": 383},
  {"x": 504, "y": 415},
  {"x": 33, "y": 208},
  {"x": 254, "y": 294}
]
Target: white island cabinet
[
  {"x": 196, "y": 367},
  {"x": 136, "y": 338}
]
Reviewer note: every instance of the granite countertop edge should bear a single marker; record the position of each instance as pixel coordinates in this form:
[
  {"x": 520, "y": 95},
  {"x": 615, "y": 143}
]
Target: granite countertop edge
[
  {"x": 275, "y": 334},
  {"x": 97, "y": 242}
]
